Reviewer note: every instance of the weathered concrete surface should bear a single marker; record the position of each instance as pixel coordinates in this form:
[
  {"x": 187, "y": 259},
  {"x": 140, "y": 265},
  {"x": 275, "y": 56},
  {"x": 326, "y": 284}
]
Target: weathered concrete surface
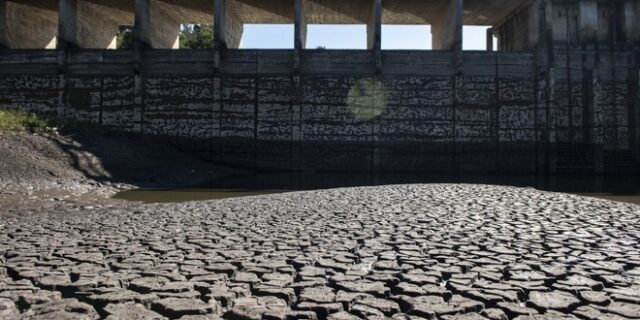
[
  {"x": 401, "y": 252},
  {"x": 447, "y": 28},
  {"x": 228, "y": 26},
  {"x": 498, "y": 114},
  {"x": 28, "y": 24},
  {"x": 94, "y": 24},
  {"x": 159, "y": 20}
]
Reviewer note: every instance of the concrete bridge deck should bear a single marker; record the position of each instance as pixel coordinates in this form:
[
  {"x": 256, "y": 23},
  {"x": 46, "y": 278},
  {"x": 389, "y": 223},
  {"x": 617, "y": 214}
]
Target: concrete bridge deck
[{"x": 94, "y": 23}]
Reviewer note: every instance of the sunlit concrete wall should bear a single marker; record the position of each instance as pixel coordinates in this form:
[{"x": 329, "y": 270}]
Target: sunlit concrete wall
[
  {"x": 92, "y": 23},
  {"x": 28, "y": 24}
]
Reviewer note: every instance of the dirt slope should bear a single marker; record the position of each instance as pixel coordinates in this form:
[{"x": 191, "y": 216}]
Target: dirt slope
[{"x": 43, "y": 161}]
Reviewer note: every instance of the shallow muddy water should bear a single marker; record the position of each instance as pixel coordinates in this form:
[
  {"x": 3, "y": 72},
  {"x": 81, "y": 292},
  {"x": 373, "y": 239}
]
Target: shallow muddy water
[{"x": 618, "y": 188}]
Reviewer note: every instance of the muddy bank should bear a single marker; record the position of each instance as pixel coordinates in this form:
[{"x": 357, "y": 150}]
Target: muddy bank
[{"x": 86, "y": 168}]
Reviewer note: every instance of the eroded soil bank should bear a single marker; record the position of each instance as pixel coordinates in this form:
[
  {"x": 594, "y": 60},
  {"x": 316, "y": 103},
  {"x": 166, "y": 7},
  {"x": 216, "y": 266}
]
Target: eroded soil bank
[{"x": 43, "y": 169}]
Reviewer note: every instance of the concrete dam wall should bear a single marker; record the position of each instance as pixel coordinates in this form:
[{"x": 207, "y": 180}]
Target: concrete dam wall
[
  {"x": 561, "y": 93},
  {"x": 338, "y": 112}
]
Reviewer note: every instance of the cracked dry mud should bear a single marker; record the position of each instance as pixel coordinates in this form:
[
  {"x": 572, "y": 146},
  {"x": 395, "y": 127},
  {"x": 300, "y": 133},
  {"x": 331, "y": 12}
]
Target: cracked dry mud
[{"x": 400, "y": 252}]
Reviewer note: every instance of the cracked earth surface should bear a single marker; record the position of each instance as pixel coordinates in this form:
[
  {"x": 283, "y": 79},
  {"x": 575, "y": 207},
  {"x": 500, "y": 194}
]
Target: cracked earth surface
[{"x": 399, "y": 252}]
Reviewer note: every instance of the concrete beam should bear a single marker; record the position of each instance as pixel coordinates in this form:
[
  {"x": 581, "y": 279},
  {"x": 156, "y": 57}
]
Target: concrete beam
[
  {"x": 447, "y": 30},
  {"x": 588, "y": 20},
  {"x": 477, "y": 12},
  {"x": 93, "y": 24},
  {"x": 374, "y": 27},
  {"x": 28, "y": 24},
  {"x": 228, "y": 27}
]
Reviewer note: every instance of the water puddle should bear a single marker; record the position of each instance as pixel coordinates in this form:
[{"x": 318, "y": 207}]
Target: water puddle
[
  {"x": 190, "y": 194},
  {"x": 618, "y": 188}
]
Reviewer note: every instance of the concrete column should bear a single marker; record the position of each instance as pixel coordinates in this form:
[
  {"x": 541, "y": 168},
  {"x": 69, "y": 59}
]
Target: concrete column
[
  {"x": 489, "y": 40},
  {"x": 447, "y": 31},
  {"x": 67, "y": 23},
  {"x": 374, "y": 28},
  {"x": 520, "y": 30},
  {"x": 587, "y": 20},
  {"x": 142, "y": 27},
  {"x": 219, "y": 9},
  {"x": 89, "y": 24},
  {"x": 28, "y": 24},
  {"x": 631, "y": 14},
  {"x": 4, "y": 41},
  {"x": 156, "y": 24},
  {"x": 543, "y": 95},
  {"x": 300, "y": 25},
  {"x": 228, "y": 27}
]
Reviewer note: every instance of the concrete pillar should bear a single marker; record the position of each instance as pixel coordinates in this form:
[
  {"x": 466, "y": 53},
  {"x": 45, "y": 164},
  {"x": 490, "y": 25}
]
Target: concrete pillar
[
  {"x": 91, "y": 24},
  {"x": 631, "y": 16},
  {"x": 520, "y": 30},
  {"x": 142, "y": 27},
  {"x": 28, "y": 24},
  {"x": 67, "y": 23},
  {"x": 374, "y": 28},
  {"x": 489, "y": 40},
  {"x": 228, "y": 27},
  {"x": 4, "y": 41},
  {"x": 447, "y": 31},
  {"x": 587, "y": 20},
  {"x": 300, "y": 25},
  {"x": 157, "y": 26}
]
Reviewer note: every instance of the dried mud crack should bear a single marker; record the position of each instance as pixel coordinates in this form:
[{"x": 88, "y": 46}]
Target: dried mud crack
[{"x": 400, "y": 252}]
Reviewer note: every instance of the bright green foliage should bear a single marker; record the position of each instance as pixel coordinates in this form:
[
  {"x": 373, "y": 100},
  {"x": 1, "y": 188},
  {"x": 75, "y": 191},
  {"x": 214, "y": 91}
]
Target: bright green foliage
[
  {"x": 125, "y": 37},
  {"x": 192, "y": 36},
  {"x": 20, "y": 121},
  {"x": 16, "y": 121},
  {"x": 196, "y": 36}
]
